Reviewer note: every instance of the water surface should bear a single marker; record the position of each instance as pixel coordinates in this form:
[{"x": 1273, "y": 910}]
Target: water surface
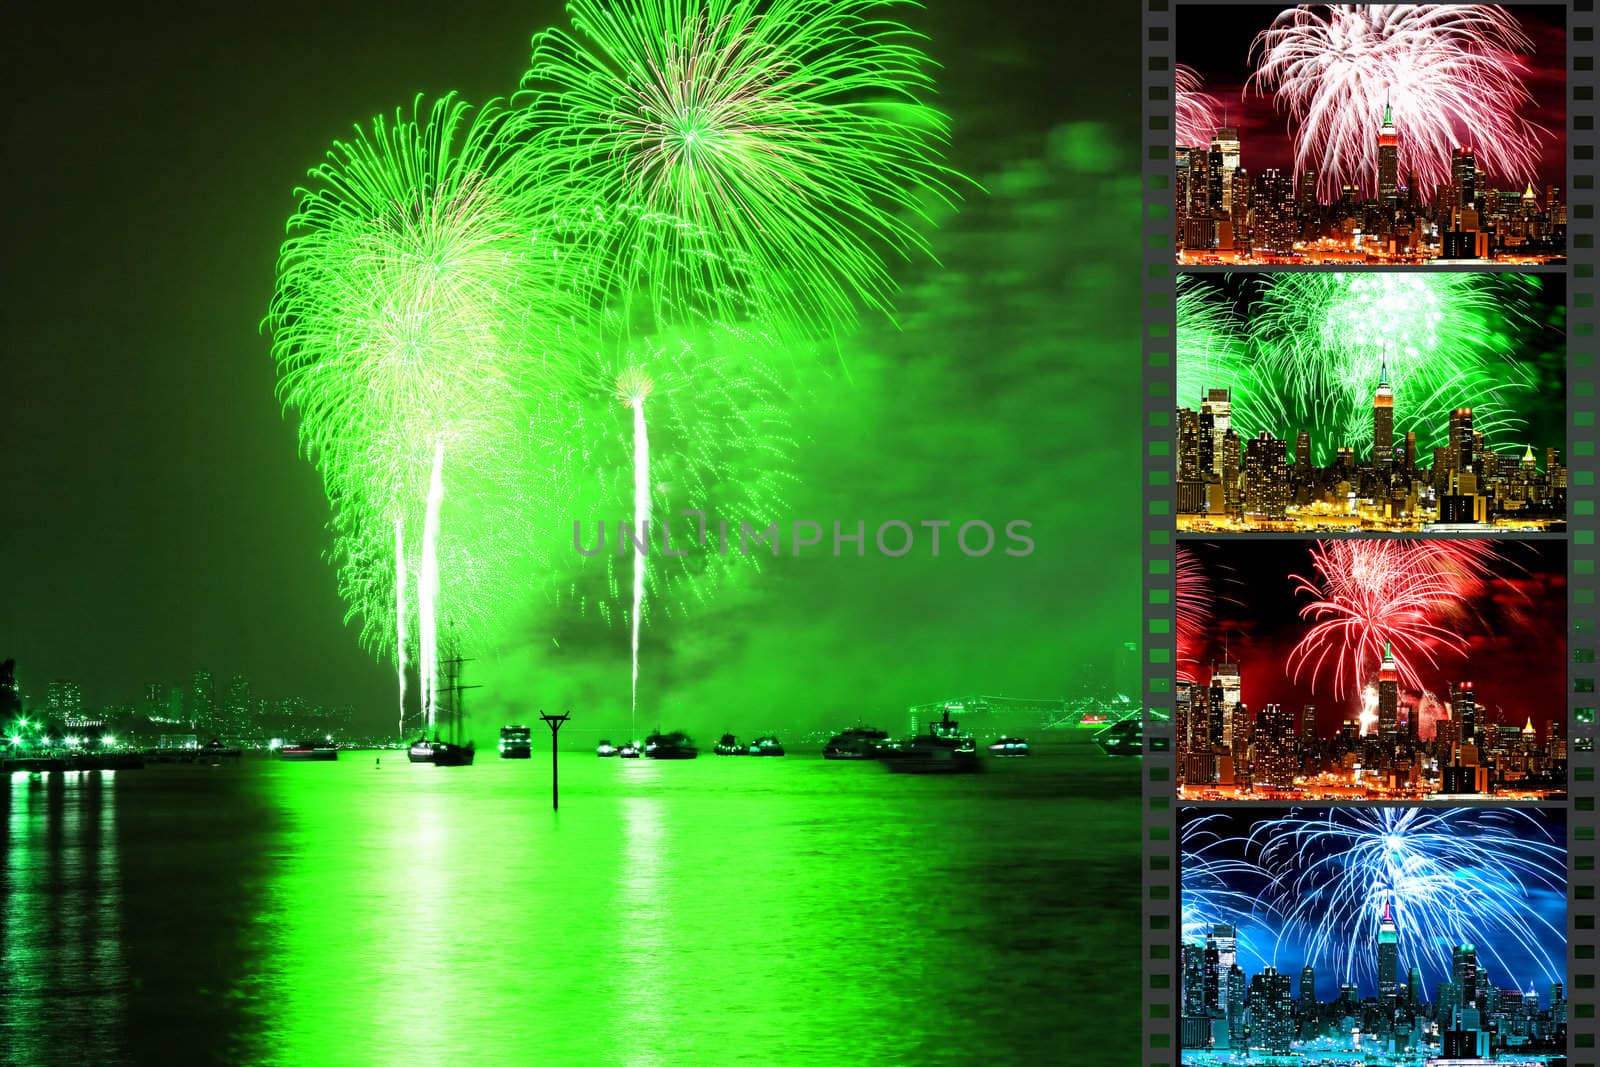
[{"x": 724, "y": 910}]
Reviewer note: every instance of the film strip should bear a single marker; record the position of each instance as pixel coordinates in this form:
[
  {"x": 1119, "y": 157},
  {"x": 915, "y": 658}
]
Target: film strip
[
  {"x": 1161, "y": 920},
  {"x": 1581, "y": 616},
  {"x": 1161, "y": 906}
]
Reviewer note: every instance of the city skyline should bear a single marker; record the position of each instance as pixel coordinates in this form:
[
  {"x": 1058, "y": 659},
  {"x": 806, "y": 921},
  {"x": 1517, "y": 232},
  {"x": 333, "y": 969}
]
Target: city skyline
[
  {"x": 1417, "y": 931},
  {"x": 1392, "y": 402},
  {"x": 1420, "y": 137},
  {"x": 1503, "y": 629}
]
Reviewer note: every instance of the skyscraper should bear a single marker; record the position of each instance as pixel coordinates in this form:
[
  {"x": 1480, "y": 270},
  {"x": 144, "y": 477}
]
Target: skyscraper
[
  {"x": 1388, "y": 957},
  {"x": 1266, "y": 478},
  {"x": 1464, "y": 711},
  {"x": 1225, "y": 144},
  {"x": 1226, "y": 677},
  {"x": 1388, "y": 695},
  {"x": 1464, "y": 973},
  {"x": 1217, "y": 405},
  {"x": 1383, "y": 423},
  {"x": 1388, "y": 161},
  {"x": 1462, "y": 439}
]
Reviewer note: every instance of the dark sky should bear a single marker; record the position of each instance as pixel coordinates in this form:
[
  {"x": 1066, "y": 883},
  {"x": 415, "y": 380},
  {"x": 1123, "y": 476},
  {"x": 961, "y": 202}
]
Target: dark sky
[
  {"x": 1516, "y": 648},
  {"x": 159, "y": 519},
  {"x": 1215, "y": 41}
]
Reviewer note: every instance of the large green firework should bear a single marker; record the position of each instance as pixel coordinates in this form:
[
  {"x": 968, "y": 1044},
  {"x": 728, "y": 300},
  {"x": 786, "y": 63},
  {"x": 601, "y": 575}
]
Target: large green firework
[
  {"x": 415, "y": 315},
  {"x": 1445, "y": 340},
  {"x": 788, "y": 142}
]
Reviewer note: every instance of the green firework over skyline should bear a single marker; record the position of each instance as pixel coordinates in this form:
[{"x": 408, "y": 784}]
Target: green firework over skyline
[{"x": 1306, "y": 350}]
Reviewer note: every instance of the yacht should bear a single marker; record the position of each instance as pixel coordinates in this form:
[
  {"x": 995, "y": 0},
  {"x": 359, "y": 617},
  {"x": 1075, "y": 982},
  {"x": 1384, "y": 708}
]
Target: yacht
[
  {"x": 516, "y": 742},
  {"x": 676, "y": 745},
  {"x": 858, "y": 742},
  {"x": 728, "y": 745},
  {"x": 1008, "y": 747},
  {"x": 766, "y": 746},
  {"x": 944, "y": 749},
  {"x": 308, "y": 752},
  {"x": 1122, "y": 738}
]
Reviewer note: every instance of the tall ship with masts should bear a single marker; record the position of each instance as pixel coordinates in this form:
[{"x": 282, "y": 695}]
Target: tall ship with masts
[{"x": 447, "y": 747}]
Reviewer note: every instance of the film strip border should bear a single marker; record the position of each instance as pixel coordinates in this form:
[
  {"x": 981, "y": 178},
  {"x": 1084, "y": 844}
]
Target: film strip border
[
  {"x": 1581, "y": 617},
  {"x": 1159, "y": 851}
]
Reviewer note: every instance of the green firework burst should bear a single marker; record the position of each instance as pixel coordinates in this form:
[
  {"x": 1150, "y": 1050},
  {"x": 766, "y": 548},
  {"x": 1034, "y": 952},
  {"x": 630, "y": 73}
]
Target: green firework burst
[
  {"x": 1446, "y": 340},
  {"x": 787, "y": 142},
  {"x": 416, "y": 313}
]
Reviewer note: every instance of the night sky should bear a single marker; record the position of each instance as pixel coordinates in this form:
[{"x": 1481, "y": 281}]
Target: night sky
[
  {"x": 1215, "y": 41},
  {"x": 1516, "y": 648},
  {"x": 159, "y": 518}
]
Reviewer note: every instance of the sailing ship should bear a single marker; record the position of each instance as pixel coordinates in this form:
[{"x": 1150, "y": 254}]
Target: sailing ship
[{"x": 445, "y": 748}]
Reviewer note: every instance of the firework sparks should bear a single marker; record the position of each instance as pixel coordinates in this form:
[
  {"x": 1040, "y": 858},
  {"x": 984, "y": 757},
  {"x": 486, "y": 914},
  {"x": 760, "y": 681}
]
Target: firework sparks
[
  {"x": 1196, "y": 109},
  {"x": 1450, "y": 875},
  {"x": 1369, "y": 596},
  {"x": 794, "y": 135},
  {"x": 415, "y": 312},
  {"x": 1322, "y": 342},
  {"x": 1451, "y": 74},
  {"x": 1193, "y": 600}
]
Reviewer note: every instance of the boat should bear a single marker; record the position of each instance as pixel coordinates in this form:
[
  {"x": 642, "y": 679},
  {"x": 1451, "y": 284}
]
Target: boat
[
  {"x": 675, "y": 745},
  {"x": 448, "y": 754},
  {"x": 766, "y": 746},
  {"x": 630, "y": 750},
  {"x": 728, "y": 745},
  {"x": 1008, "y": 747},
  {"x": 944, "y": 749},
  {"x": 516, "y": 742},
  {"x": 858, "y": 742},
  {"x": 606, "y": 749},
  {"x": 308, "y": 752},
  {"x": 1122, "y": 738},
  {"x": 449, "y": 712}
]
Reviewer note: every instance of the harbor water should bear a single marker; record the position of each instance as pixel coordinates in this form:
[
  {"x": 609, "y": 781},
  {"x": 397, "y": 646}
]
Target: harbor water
[{"x": 720, "y": 910}]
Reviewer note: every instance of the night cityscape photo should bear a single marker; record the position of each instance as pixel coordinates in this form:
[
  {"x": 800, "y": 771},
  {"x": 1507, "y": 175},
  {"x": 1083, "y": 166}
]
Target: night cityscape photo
[
  {"x": 1398, "y": 668},
  {"x": 1397, "y": 401},
  {"x": 519, "y": 548},
  {"x": 1371, "y": 134},
  {"x": 1373, "y": 935}
]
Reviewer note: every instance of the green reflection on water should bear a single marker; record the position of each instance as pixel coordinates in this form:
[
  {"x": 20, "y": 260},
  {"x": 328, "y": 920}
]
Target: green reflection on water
[{"x": 716, "y": 911}]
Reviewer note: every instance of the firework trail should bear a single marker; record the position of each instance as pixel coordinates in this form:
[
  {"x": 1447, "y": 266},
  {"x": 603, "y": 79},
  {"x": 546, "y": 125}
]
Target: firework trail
[
  {"x": 414, "y": 315},
  {"x": 400, "y": 663},
  {"x": 1453, "y": 74},
  {"x": 633, "y": 388},
  {"x": 1218, "y": 887},
  {"x": 1452, "y": 876},
  {"x": 1366, "y": 596},
  {"x": 1196, "y": 110},
  {"x": 1323, "y": 340},
  {"x": 792, "y": 133},
  {"x": 1193, "y": 600},
  {"x": 706, "y": 443}
]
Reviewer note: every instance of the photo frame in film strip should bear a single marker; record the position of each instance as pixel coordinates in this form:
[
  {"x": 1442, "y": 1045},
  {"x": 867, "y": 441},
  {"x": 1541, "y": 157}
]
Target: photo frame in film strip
[{"x": 1455, "y": 243}]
